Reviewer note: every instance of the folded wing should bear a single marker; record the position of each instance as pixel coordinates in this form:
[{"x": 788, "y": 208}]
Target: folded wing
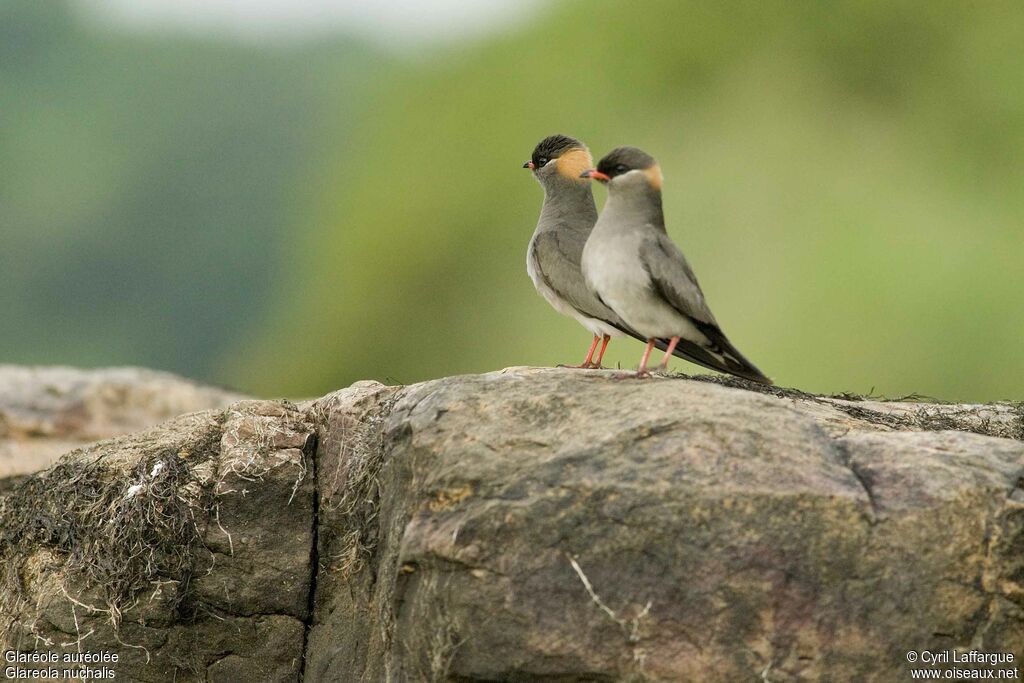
[{"x": 672, "y": 280}]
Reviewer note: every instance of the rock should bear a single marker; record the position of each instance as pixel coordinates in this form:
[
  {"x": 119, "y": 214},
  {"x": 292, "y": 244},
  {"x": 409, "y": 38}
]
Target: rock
[
  {"x": 561, "y": 525},
  {"x": 532, "y": 525},
  {"x": 186, "y": 548},
  {"x": 45, "y": 412}
]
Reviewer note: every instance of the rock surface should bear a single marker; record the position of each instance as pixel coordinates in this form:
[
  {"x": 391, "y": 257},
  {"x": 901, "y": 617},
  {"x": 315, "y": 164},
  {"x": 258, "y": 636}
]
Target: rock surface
[
  {"x": 185, "y": 548},
  {"x": 530, "y": 525},
  {"x": 47, "y": 411}
]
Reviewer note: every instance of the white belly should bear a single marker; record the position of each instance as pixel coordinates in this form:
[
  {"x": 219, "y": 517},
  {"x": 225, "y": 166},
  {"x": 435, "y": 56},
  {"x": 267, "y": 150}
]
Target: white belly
[
  {"x": 613, "y": 269},
  {"x": 594, "y": 326}
]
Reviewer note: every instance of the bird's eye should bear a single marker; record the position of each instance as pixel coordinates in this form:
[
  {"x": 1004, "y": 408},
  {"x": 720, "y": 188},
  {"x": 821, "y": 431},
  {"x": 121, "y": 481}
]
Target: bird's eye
[
  {"x": 541, "y": 161},
  {"x": 621, "y": 168}
]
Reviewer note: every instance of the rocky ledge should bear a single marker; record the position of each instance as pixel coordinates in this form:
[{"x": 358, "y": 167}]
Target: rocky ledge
[
  {"x": 528, "y": 525},
  {"x": 48, "y": 411}
]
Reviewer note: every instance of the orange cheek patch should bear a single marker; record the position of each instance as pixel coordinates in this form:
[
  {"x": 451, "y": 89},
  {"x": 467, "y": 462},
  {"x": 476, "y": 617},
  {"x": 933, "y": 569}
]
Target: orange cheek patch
[
  {"x": 574, "y": 162},
  {"x": 654, "y": 176}
]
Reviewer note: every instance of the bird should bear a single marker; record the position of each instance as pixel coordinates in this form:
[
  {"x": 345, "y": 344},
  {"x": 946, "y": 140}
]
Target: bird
[
  {"x": 567, "y": 215},
  {"x": 635, "y": 269}
]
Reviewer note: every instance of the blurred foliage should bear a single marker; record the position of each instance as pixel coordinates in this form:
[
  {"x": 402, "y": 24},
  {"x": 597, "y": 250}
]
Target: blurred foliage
[
  {"x": 145, "y": 184},
  {"x": 844, "y": 177}
]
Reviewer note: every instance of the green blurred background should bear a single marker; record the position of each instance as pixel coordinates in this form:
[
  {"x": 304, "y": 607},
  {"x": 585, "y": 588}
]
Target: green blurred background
[{"x": 285, "y": 212}]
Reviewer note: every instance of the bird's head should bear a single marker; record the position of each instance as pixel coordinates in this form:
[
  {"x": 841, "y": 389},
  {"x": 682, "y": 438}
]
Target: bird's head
[
  {"x": 627, "y": 167},
  {"x": 559, "y": 158}
]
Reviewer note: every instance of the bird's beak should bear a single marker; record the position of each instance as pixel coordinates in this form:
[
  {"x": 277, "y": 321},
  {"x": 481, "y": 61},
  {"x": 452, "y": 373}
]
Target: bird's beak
[
  {"x": 594, "y": 174},
  {"x": 529, "y": 165}
]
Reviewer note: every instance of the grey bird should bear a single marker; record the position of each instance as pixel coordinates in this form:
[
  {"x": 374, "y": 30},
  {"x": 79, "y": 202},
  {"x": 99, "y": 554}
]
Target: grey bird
[
  {"x": 566, "y": 218},
  {"x": 636, "y": 270}
]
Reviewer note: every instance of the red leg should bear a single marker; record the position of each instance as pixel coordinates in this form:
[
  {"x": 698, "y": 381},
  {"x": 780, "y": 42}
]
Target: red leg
[
  {"x": 642, "y": 372},
  {"x": 668, "y": 353},
  {"x": 590, "y": 355},
  {"x": 600, "y": 354}
]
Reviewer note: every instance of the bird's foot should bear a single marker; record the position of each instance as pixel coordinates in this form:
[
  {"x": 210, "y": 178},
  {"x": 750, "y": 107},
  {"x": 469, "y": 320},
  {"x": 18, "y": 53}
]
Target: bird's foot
[{"x": 583, "y": 366}]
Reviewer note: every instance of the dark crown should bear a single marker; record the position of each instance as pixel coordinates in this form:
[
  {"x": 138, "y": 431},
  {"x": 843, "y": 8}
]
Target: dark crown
[
  {"x": 623, "y": 160},
  {"x": 554, "y": 146}
]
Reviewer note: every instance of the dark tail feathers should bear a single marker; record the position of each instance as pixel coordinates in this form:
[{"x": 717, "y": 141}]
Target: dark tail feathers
[{"x": 722, "y": 358}]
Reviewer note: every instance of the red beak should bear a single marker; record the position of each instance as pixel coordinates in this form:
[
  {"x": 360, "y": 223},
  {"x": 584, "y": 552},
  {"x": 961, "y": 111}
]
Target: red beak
[
  {"x": 529, "y": 165},
  {"x": 595, "y": 175}
]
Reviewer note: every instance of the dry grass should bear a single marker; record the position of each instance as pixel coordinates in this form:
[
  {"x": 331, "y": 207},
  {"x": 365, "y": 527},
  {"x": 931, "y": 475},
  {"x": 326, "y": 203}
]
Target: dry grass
[
  {"x": 253, "y": 447},
  {"x": 119, "y": 534},
  {"x": 121, "y": 524},
  {"x": 356, "y": 486},
  {"x": 931, "y": 416}
]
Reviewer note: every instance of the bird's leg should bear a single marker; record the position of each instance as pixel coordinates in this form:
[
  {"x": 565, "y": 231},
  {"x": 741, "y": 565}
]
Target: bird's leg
[
  {"x": 600, "y": 354},
  {"x": 668, "y": 353},
  {"x": 590, "y": 355},
  {"x": 643, "y": 372}
]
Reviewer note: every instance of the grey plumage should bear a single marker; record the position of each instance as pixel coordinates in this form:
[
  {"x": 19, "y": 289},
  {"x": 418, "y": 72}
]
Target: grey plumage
[
  {"x": 635, "y": 269},
  {"x": 567, "y": 216}
]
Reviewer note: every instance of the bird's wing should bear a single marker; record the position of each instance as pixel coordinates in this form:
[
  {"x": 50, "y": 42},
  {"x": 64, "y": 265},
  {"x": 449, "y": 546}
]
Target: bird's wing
[
  {"x": 672, "y": 280},
  {"x": 557, "y": 257}
]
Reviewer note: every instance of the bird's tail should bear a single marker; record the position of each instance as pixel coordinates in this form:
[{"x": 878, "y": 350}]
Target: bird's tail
[{"x": 721, "y": 356}]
